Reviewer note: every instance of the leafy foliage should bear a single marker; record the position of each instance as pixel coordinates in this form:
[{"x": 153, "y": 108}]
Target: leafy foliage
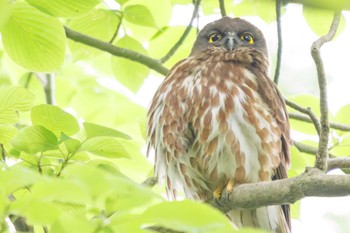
[{"x": 78, "y": 166}]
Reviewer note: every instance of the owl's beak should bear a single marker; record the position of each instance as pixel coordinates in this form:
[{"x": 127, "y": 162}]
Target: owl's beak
[{"x": 230, "y": 43}]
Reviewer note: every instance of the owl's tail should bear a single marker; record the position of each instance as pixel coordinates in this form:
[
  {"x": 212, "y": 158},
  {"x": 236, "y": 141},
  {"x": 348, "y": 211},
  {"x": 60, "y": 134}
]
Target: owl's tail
[{"x": 270, "y": 218}]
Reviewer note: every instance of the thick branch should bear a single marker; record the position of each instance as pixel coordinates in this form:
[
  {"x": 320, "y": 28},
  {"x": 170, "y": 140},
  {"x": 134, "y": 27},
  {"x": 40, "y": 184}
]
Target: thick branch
[
  {"x": 116, "y": 51},
  {"x": 184, "y": 35},
  {"x": 322, "y": 155},
  {"x": 279, "y": 37},
  {"x": 313, "y": 183}
]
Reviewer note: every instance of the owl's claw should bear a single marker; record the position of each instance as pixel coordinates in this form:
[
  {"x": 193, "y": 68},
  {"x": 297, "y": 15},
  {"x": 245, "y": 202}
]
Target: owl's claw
[
  {"x": 230, "y": 186},
  {"x": 218, "y": 191}
]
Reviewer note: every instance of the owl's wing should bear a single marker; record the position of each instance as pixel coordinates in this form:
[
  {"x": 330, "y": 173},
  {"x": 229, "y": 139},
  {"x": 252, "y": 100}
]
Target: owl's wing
[{"x": 274, "y": 100}]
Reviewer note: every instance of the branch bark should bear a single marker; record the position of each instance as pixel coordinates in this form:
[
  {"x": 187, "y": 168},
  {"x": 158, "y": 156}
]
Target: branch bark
[
  {"x": 322, "y": 155},
  {"x": 116, "y": 51},
  {"x": 312, "y": 183}
]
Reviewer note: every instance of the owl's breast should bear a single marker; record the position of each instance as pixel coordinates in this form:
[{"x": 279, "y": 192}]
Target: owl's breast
[{"x": 212, "y": 126}]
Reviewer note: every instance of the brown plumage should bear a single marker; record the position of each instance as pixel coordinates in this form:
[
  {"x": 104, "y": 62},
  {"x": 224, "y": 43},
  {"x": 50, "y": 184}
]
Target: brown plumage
[{"x": 218, "y": 121}]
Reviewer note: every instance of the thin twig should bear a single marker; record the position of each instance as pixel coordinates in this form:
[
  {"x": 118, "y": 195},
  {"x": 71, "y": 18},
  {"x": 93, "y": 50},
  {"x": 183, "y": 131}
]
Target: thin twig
[
  {"x": 116, "y": 51},
  {"x": 28, "y": 79},
  {"x": 279, "y": 37},
  {"x": 3, "y": 152},
  {"x": 49, "y": 89},
  {"x": 305, "y": 148},
  {"x": 333, "y": 125},
  {"x": 117, "y": 29},
  {"x": 222, "y": 8},
  {"x": 307, "y": 111},
  {"x": 322, "y": 155},
  {"x": 311, "y": 150},
  {"x": 184, "y": 35}
]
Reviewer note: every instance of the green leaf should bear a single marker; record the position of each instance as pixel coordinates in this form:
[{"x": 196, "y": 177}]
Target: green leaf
[
  {"x": 343, "y": 114},
  {"x": 121, "y": 2},
  {"x": 64, "y": 8},
  {"x": 72, "y": 145},
  {"x": 139, "y": 14},
  {"x": 72, "y": 224},
  {"x": 105, "y": 146},
  {"x": 100, "y": 24},
  {"x": 265, "y": 9},
  {"x": 7, "y": 132},
  {"x": 210, "y": 7},
  {"x": 61, "y": 190},
  {"x": 298, "y": 163},
  {"x": 54, "y": 119},
  {"x": 5, "y": 9},
  {"x": 179, "y": 216},
  {"x": 129, "y": 73},
  {"x": 33, "y": 139},
  {"x": 94, "y": 130},
  {"x": 343, "y": 148},
  {"x": 295, "y": 210},
  {"x": 14, "y": 99},
  {"x": 43, "y": 49},
  {"x": 37, "y": 211},
  {"x": 17, "y": 177},
  {"x": 319, "y": 20}
]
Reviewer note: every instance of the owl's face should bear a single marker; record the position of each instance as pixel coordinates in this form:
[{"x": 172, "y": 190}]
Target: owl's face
[{"x": 230, "y": 34}]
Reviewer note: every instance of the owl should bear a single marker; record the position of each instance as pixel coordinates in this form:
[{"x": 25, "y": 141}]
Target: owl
[{"x": 218, "y": 121}]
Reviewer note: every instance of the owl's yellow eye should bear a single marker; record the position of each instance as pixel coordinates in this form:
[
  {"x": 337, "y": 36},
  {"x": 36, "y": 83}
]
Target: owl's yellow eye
[
  {"x": 214, "y": 37},
  {"x": 247, "y": 37}
]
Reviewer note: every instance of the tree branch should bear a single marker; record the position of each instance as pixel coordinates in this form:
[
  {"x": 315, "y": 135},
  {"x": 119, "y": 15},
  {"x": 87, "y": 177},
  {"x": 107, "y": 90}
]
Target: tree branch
[
  {"x": 116, "y": 51},
  {"x": 322, "y": 155},
  {"x": 343, "y": 163},
  {"x": 279, "y": 37},
  {"x": 305, "y": 148},
  {"x": 333, "y": 125},
  {"x": 184, "y": 35},
  {"x": 312, "y": 183},
  {"x": 307, "y": 111},
  {"x": 222, "y": 8}
]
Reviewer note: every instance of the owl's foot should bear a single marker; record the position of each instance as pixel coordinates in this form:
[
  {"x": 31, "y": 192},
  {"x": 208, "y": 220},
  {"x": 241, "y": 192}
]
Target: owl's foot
[
  {"x": 230, "y": 186},
  {"x": 218, "y": 191}
]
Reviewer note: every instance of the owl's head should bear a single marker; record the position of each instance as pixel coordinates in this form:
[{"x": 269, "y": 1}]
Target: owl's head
[{"x": 230, "y": 34}]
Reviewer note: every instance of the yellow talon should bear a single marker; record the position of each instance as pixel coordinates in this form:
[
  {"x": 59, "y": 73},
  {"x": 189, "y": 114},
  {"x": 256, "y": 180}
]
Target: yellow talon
[
  {"x": 230, "y": 185},
  {"x": 217, "y": 192}
]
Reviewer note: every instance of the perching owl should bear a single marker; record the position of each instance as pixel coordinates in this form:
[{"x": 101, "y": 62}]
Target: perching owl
[{"x": 218, "y": 121}]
